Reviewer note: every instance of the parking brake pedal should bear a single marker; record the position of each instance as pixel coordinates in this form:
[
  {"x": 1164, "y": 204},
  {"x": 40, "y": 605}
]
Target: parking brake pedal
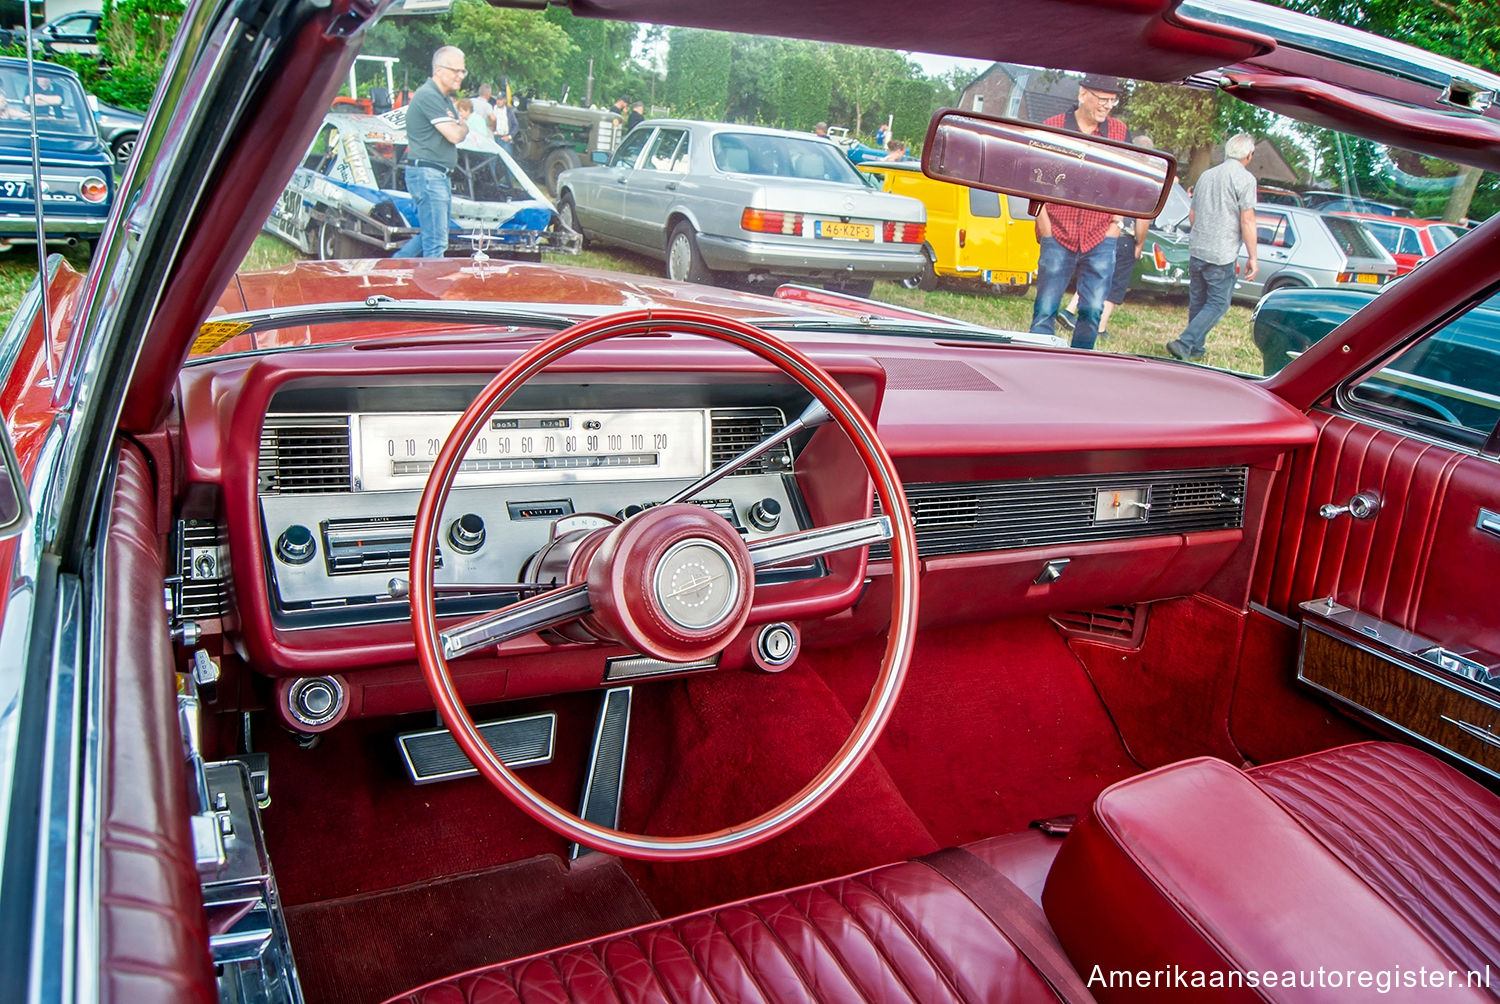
[
  {"x": 601, "y": 792},
  {"x": 433, "y": 755}
]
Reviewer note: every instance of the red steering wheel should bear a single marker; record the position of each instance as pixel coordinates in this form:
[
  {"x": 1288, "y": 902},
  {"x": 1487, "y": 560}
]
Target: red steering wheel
[{"x": 625, "y": 583}]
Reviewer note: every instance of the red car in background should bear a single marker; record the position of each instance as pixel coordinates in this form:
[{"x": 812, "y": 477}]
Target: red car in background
[{"x": 1410, "y": 242}]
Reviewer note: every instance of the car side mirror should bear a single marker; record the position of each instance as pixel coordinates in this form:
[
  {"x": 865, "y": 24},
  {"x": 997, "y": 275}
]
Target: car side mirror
[
  {"x": 15, "y": 507},
  {"x": 1046, "y": 163}
]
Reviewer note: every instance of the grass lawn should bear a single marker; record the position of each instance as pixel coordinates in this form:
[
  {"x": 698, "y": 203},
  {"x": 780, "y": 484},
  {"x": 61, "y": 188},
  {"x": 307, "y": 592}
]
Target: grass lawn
[{"x": 1143, "y": 325}]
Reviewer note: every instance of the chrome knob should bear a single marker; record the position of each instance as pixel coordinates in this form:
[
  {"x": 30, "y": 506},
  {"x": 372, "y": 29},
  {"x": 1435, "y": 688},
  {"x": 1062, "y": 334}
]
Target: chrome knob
[
  {"x": 466, "y": 533},
  {"x": 296, "y": 545},
  {"x": 765, "y": 515},
  {"x": 1361, "y": 506}
]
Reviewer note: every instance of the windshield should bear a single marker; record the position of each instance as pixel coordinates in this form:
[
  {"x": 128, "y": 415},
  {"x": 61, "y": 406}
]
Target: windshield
[
  {"x": 60, "y": 105},
  {"x": 602, "y": 146}
]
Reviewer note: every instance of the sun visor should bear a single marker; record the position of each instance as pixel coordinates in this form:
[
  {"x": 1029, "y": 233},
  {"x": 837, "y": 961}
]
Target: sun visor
[
  {"x": 1463, "y": 138},
  {"x": 1143, "y": 39}
]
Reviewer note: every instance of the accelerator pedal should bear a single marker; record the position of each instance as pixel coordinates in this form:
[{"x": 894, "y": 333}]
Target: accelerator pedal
[
  {"x": 601, "y": 792},
  {"x": 434, "y": 755}
]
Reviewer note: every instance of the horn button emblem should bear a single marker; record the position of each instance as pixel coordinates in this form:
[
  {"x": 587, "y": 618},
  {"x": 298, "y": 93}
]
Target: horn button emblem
[
  {"x": 696, "y": 584},
  {"x": 675, "y": 582}
]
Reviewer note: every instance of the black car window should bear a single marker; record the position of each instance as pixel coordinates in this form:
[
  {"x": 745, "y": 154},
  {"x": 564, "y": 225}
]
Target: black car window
[
  {"x": 59, "y": 101},
  {"x": 1386, "y": 233},
  {"x": 1352, "y": 238},
  {"x": 664, "y": 150},
  {"x": 631, "y": 149},
  {"x": 1274, "y": 230},
  {"x": 780, "y": 156},
  {"x": 1409, "y": 242},
  {"x": 984, "y": 204},
  {"x": 1443, "y": 236},
  {"x": 1446, "y": 385}
]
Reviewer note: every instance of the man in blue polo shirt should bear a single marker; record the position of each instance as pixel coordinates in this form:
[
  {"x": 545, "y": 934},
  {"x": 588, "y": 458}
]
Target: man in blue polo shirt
[{"x": 433, "y": 132}]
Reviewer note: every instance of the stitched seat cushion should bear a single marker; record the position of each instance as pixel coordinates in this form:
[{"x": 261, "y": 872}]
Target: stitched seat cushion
[
  {"x": 1423, "y": 835},
  {"x": 1193, "y": 868},
  {"x": 898, "y": 933}
]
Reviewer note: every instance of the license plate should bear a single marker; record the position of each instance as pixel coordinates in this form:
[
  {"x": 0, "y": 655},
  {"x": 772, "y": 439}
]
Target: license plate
[
  {"x": 844, "y": 231},
  {"x": 1366, "y": 277},
  {"x": 15, "y": 190}
]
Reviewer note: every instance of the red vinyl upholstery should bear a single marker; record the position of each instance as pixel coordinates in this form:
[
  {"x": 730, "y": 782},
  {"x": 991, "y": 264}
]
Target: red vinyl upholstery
[
  {"x": 1193, "y": 867},
  {"x": 153, "y": 934},
  {"x": 898, "y": 933},
  {"x": 1423, "y": 835}
]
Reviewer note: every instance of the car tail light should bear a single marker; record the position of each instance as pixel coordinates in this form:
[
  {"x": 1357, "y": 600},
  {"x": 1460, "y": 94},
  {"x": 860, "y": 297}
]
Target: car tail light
[
  {"x": 768, "y": 221},
  {"x": 1159, "y": 257},
  {"x": 963, "y": 237},
  {"x": 905, "y": 233},
  {"x": 93, "y": 189}
]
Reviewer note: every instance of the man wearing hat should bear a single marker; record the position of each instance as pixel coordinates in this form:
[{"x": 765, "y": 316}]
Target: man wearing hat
[{"x": 1076, "y": 240}]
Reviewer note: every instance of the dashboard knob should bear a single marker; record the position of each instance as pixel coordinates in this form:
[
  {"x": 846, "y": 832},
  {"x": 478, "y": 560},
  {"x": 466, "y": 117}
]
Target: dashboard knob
[
  {"x": 765, "y": 515},
  {"x": 630, "y": 511},
  {"x": 295, "y": 546},
  {"x": 466, "y": 533}
]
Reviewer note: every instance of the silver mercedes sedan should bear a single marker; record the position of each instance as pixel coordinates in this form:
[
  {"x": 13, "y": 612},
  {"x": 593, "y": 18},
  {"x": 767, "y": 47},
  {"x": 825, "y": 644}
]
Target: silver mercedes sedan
[{"x": 731, "y": 201}]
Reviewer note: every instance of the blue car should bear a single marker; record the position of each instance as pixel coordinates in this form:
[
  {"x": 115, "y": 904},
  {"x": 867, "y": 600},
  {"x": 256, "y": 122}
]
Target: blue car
[
  {"x": 348, "y": 200},
  {"x": 76, "y": 168}
]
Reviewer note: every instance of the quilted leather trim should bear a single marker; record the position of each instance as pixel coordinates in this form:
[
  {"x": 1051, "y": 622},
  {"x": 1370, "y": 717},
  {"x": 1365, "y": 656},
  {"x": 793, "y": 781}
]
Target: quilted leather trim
[
  {"x": 899, "y": 933},
  {"x": 1383, "y": 808}
]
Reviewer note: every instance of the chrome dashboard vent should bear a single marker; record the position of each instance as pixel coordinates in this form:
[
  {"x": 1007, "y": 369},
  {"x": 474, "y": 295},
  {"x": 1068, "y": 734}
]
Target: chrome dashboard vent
[
  {"x": 303, "y": 454},
  {"x": 967, "y": 518},
  {"x": 200, "y": 586},
  {"x": 735, "y": 430}
]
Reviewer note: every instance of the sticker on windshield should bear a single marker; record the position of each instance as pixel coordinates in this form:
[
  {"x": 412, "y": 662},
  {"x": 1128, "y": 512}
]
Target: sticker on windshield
[{"x": 212, "y": 334}]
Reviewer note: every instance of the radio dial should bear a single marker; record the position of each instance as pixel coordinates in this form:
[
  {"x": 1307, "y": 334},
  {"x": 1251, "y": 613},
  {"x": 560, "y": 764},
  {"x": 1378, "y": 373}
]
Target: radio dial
[
  {"x": 295, "y": 545},
  {"x": 466, "y": 534}
]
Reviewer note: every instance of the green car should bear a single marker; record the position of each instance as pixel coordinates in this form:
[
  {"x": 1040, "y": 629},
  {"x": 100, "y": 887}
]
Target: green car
[
  {"x": 1454, "y": 375},
  {"x": 1163, "y": 262}
]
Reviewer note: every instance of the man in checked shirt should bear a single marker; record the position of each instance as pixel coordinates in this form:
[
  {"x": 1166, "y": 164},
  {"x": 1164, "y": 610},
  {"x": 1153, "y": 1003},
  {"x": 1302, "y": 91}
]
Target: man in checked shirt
[{"x": 1079, "y": 240}]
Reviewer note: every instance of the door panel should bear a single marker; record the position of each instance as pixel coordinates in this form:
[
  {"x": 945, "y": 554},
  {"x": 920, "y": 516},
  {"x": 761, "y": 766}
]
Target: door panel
[{"x": 1420, "y": 563}]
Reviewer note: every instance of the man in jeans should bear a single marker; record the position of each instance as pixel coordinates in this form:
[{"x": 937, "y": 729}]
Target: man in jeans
[
  {"x": 1223, "y": 217},
  {"x": 433, "y": 132},
  {"x": 1079, "y": 240}
]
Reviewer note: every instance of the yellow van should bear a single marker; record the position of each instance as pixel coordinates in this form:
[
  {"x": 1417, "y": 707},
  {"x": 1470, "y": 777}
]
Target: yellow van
[{"x": 971, "y": 233}]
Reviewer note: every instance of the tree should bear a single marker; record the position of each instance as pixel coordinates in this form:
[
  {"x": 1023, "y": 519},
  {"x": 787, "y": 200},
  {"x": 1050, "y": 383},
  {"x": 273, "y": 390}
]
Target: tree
[
  {"x": 1466, "y": 30},
  {"x": 863, "y": 75},
  {"x": 698, "y": 72},
  {"x": 134, "y": 37},
  {"x": 607, "y": 49}
]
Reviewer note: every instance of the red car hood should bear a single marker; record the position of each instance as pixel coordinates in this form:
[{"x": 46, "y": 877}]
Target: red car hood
[{"x": 571, "y": 291}]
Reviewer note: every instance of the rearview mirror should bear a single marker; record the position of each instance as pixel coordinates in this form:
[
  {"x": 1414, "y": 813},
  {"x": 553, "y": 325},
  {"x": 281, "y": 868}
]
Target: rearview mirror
[{"x": 1047, "y": 164}]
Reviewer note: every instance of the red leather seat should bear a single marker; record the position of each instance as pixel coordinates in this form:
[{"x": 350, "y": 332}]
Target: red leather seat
[
  {"x": 1338, "y": 868},
  {"x": 898, "y": 933}
]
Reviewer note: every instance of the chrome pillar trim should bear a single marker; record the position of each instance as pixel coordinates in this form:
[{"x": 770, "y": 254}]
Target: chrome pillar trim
[{"x": 54, "y": 948}]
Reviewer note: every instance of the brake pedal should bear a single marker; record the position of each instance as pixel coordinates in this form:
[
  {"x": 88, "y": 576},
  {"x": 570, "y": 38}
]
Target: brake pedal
[
  {"x": 601, "y": 792},
  {"x": 433, "y": 755}
]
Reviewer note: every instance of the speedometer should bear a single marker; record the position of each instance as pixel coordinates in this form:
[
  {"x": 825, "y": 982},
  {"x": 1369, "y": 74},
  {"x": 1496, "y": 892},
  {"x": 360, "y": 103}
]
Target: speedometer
[{"x": 396, "y": 451}]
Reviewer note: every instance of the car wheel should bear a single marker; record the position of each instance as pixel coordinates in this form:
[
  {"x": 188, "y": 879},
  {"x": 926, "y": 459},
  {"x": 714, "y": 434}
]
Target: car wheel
[
  {"x": 556, "y": 162},
  {"x": 568, "y": 213},
  {"x": 684, "y": 263},
  {"x": 925, "y": 280},
  {"x": 332, "y": 244},
  {"x": 123, "y": 147},
  {"x": 1276, "y": 284},
  {"x": 854, "y": 287}
]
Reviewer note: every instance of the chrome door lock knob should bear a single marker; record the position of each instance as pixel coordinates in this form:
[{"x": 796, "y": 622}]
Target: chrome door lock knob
[
  {"x": 1362, "y": 506},
  {"x": 765, "y": 515}
]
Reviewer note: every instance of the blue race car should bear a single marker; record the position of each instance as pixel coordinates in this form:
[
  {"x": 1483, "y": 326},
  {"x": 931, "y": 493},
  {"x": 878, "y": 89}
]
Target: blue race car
[{"x": 347, "y": 200}]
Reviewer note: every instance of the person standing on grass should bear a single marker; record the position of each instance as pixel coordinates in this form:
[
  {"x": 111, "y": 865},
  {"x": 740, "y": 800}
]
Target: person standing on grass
[
  {"x": 1074, "y": 240},
  {"x": 1127, "y": 251},
  {"x": 433, "y": 132},
  {"x": 1222, "y": 218}
]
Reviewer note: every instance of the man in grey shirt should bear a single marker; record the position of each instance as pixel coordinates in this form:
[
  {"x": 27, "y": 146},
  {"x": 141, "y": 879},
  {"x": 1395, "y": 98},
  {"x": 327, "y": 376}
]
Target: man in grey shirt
[
  {"x": 433, "y": 132},
  {"x": 1223, "y": 218}
]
